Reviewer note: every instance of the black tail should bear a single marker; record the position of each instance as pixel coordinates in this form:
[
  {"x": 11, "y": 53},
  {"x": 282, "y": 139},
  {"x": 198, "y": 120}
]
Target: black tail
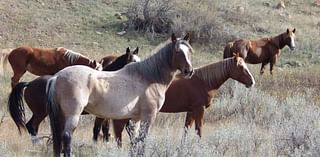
[
  {"x": 16, "y": 105},
  {"x": 55, "y": 117}
]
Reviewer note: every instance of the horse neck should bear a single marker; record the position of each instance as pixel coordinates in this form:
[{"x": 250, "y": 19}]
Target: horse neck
[
  {"x": 156, "y": 68},
  {"x": 116, "y": 65},
  {"x": 74, "y": 58},
  {"x": 278, "y": 41},
  {"x": 214, "y": 75}
]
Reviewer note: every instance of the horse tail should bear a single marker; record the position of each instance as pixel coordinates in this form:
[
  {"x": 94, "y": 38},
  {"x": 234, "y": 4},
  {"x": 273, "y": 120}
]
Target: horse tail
[
  {"x": 227, "y": 50},
  {"x": 54, "y": 115},
  {"x": 16, "y": 105},
  {"x": 3, "y": 61}
]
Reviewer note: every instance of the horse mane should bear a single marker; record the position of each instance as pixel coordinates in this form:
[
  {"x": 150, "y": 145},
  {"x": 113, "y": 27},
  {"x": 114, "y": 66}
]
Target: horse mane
[
  {"x": 71, "y": 56},
  {"x": 157, "y": 64},
  {"x": 214, "y": 73},
  {"x": 116, "y": 64},
  {"x": 278, "y": 40}
]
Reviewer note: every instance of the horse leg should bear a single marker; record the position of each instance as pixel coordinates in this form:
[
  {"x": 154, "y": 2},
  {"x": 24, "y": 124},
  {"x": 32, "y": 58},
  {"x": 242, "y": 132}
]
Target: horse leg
[
  {"x": 105, "y": 129},
  {"x": 198, "y": 116},
  {"x": 71, "y": 123},
  {"x": 118, "y": 126},
  {"x": 189, "y": 121},
  {"x": 32, "y": 131},
  {"x": 272, "y": 62},
  {"x": 97, "y": 128},
  {"x": 139, "y": 142},
  {"x": 133, "y": 129},
  {"x": 33, "y": 126},
  {"x": 263, "y": 67}
]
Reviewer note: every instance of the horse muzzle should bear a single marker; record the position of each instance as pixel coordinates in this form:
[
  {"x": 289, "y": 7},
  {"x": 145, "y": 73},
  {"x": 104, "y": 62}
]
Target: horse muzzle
[
  {"x": 188, "y": 73},
  {"x": 292, "y": 48},
  {"x": 251, "y": 84}
]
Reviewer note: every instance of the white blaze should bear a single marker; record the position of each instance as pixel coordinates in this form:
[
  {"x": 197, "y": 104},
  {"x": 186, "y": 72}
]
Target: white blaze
[
  {"x": 246, "y": 67},
  {"x": 185, "y": 50},
  {"x": 136, "y": 58}
]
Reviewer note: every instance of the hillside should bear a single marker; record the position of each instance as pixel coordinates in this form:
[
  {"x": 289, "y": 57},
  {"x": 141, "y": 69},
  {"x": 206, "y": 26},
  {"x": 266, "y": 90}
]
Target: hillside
[{"x": 278, "y": 117}]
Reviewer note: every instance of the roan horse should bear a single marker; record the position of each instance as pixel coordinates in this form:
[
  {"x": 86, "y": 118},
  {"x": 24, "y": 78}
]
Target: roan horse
[
  {"x": 136, "y": 91},
  {"x": 265, "y": 50},
  {"x": 41, "y": 61},
  {"x": 194, "y": 95},
  {"x": 35, "y": 97}
]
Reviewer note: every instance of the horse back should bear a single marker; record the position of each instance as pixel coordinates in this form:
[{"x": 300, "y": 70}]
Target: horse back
[{"x": 35, "y": 94}]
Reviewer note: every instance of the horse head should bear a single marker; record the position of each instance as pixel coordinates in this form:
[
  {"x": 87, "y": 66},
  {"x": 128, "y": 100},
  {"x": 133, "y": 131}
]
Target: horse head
[
  {"x": 95, "y": 65},
  {"x": 132, "y": 56},
  {"x": 240, "y": 71},
  {"x": 181, "y": 57},
  {"x": 289, "y": 38}
]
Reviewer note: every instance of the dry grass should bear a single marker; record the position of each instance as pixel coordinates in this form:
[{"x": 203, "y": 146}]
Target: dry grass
[{"x": 276, "y": 118}]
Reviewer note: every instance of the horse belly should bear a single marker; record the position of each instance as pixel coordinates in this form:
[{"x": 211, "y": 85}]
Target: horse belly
[
  {"x": 42, "y": 69},
  {"x": 115, "y": 107},
  {"x": 254, "y": 57}
]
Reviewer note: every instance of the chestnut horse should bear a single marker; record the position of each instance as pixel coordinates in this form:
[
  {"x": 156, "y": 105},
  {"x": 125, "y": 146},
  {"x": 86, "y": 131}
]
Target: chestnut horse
[
  {"x": 35, "y": 97},
  {"x": 265, "y": 50},
  {"x": 44, "y": 61},
  {"x": 194, "y": 95},
  {"x": 136, "y": 91}
]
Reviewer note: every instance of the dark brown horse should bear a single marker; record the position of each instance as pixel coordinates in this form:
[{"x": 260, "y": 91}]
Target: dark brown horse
[
  {"x": 194, "y": 95},
  {"x": 265, "y": 50},
  {"x": 35, "y": 97},
  {"x": 41, "y": 61}
]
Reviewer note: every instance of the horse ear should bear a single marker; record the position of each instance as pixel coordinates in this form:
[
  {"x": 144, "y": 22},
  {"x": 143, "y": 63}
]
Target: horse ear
[
  {"x": 136, "y": 51},
  {"x": 173, "y": 37},
  {"x": 187, "y": 37},
  {"x": 288, "y": 31},
  {"x": 128, "y": 50},
  {"x": 101, "y": 61},
  {"x": 294, "y": 30}
]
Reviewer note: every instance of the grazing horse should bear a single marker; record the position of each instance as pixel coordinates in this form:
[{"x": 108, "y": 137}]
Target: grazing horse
[
  {"x": 194, "y": 95},
  {"x": 35, "y": 97},
  {"x": 265, "y": 50},
  {"x": 40, "y": 61},
  {"x": 136, "y": 91}
]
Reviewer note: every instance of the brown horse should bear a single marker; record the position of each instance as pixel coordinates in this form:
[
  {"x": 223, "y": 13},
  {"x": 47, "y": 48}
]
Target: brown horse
[
  {"x": 194, "y": 95},
  {"x": 41, "y": 61},
  {"x": 265, "y": 50},
  {"x": 35, "y": 97}
]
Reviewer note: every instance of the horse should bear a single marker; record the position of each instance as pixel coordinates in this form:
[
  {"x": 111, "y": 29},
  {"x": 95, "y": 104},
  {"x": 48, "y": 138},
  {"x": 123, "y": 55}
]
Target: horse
[
  {"x": 265, "y": 50},
  {"x": 34, "y": 95},
  {"x": 130, "y": 57},
  {"x": 194, "y": 95},
  {"x": 108, "y": 65},
  {"x": 137, "y": 91},
  {"x": 44, "y": 61}
]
